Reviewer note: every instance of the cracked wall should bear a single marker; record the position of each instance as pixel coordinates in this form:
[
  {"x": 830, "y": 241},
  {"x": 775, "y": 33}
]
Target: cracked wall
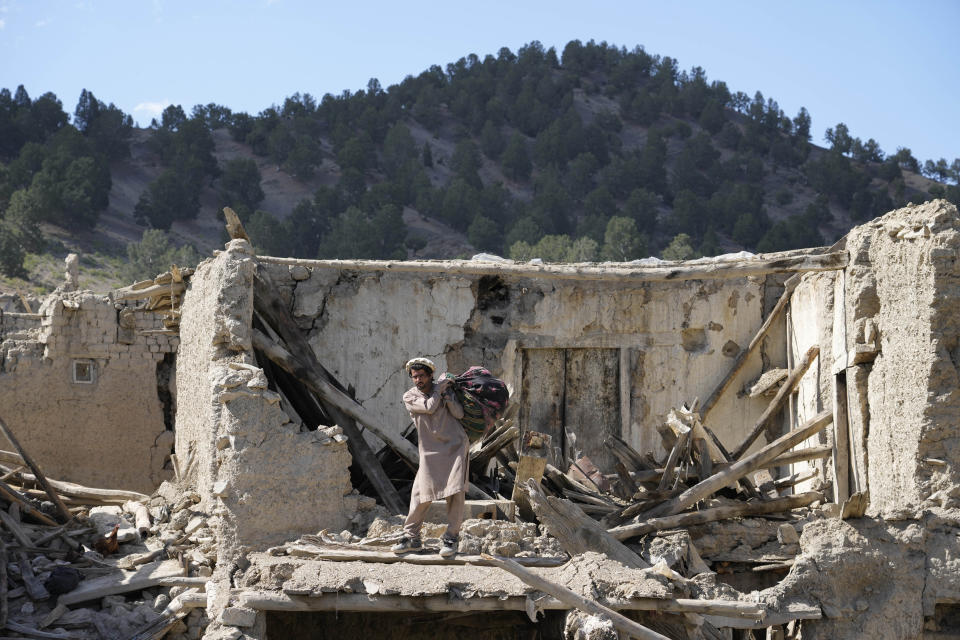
[
  {"x": 675, "y": 339},
  {"x": 107, "y": 430}
]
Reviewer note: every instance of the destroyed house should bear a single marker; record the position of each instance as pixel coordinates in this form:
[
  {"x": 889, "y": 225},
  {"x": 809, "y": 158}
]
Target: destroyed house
[{"x": 742, "y": 446}]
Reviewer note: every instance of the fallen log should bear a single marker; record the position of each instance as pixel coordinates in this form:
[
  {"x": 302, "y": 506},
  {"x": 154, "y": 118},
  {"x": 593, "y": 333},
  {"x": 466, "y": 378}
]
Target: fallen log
[
  {"x": 778, "y": 400},
  {"x": 778, "y": 505},
  {"x": 755, "y": 343},
  {"x": 41, "y": 479},
  {"x": 741, "y": 468},
  {"x": 622, "y": 623},
  {"x": 31, "y": 583},
  {"x": 576, "y": 531}
]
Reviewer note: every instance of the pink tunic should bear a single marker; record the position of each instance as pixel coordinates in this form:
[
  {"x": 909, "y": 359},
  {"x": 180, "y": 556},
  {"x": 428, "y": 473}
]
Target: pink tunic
[{"x": 444, "y": 461}]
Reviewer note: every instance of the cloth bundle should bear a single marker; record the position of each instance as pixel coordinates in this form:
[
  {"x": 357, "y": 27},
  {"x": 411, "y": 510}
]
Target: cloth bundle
[{"x": 484, "y": 399}]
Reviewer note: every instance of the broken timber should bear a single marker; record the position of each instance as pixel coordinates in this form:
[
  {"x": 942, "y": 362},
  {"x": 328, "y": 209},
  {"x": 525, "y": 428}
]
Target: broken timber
[
  {"x": 745, "y": 354},
  {"x": 742, "y": 467},
  {"x": 777, "y": 505},
  {"x": 778, "y": 401}
]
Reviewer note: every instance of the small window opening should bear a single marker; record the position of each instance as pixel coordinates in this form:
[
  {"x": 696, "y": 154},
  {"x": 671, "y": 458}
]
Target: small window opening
[{"x": 83, "y": 371}]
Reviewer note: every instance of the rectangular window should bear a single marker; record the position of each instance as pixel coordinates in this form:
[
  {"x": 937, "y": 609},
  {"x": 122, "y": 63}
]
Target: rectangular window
[{"x": 84, "y": 371}]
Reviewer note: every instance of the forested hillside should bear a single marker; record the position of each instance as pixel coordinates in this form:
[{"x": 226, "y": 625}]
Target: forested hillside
[{"x": 600, "y": 153}]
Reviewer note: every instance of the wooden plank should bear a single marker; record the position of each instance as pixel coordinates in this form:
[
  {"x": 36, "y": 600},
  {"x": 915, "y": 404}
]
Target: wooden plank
[
  {"x": 858, "y": 421},
  {"x": 775, "y": 405},
  {"x": 534, "y": 450},
  {"x": 143, "y": 578},
  {"x": 778, "y": 505},
  {"x": 543, "y": 387},
  {"x": 14, "y": 527},
  {"x": 623, "y": 624},
  {"x": 745, "y": 354},
  {"x": 742, "y": 467},
  {"x": 592, "y": 402}
]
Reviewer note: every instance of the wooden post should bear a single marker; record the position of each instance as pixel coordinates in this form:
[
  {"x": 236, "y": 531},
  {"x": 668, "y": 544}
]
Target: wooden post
[
  {"x": 622, "y": 623},
  {"x": 534, "y": 450},
  {"x": 788, "y": 386},
  {"x": 745, "y": 354},
  {"x": 778, "y": 505},
  {"x": 841, "y": 441},
  {"x": 54, "y": 497},
  {"x": 742, "y": 467}
]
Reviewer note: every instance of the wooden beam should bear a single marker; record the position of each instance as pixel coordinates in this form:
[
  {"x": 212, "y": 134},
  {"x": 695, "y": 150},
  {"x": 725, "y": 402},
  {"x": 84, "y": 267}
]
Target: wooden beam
[
  {"x": 268, "y": 601},
  {"x": 801, "y": 455},
  {"x": 742, "y": 467},
  {"x": 778, "y": 400},
  {"x": 41, "y": 479},
  {"x": 274, "y": 312},
  {"x": 333, "y": 396},
  {"x": 70, "y": 489},
  {"x": 742, "y": 268},
  {"x": 777, "y": 505},
  {"x": 841, "y": 439},
  {"x": 745, "y": 354},
  {"x": 127, "y": 293},
  {"x": 623, "y": 624},
  {"x": 576, "y": 531}
]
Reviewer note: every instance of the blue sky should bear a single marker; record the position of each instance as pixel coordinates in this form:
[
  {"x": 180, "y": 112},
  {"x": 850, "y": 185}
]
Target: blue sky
[{"x": 889, "y": 70}]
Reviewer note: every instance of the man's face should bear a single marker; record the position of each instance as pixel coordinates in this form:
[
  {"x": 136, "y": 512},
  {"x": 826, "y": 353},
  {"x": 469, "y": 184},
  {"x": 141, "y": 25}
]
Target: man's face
[{"x": 422, "y": 378}]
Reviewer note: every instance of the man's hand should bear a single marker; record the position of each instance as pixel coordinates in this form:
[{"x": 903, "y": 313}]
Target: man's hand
[{"x": 444, "y": 384}]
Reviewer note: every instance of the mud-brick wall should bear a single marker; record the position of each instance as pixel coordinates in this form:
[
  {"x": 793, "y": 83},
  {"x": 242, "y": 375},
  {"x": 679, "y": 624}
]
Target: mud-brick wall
[
  {"x": 596, "y": 356},
  {"x": 265, "y": 479},
  {"x": 903, "y": 299},
  {"x": 111, "y": 428}
]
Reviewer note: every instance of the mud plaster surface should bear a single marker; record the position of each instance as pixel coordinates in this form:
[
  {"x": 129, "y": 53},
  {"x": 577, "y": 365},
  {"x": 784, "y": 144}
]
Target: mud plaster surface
[{"x": 592, "y": 575}]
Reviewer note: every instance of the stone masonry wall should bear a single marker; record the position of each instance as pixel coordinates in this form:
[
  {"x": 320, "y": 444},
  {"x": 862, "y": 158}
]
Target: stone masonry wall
[{"x": 109, "y": 431}]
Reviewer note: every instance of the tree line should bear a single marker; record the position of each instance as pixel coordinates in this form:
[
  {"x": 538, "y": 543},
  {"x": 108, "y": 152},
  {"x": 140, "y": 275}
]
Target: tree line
[{"x": 600, "y": 153}]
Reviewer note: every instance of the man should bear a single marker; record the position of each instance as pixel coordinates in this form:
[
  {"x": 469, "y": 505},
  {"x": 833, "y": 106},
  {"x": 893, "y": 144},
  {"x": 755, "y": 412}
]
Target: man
[{"x": 444, "y": 460}]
